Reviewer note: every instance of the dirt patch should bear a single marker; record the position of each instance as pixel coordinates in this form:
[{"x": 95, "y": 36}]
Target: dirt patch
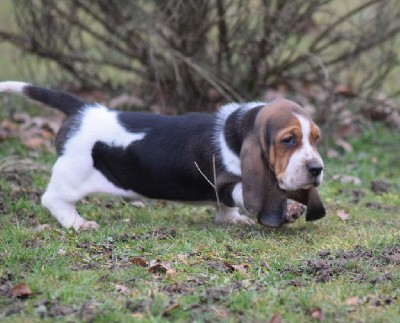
[
  {"x": 362, "y": 265},
  {"x": 99, "y": 255},
  {"x": 380, "y": 186},
  {"x": 21, "y": 185},
  {"x": 54, "y": 309},
  {"x": 355, "y": 195},
  {"x": 379, "y": 206},
  {"x": 104, "y": 255},
  {"x": 3, "y": 207}
]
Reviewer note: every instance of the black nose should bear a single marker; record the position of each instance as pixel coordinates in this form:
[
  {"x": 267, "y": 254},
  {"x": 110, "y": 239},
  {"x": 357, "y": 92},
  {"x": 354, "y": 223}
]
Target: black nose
[{"x": 314, "y": 167}]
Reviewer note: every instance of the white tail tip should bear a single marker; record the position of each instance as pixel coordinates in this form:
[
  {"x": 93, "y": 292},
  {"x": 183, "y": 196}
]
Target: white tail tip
[{"x": 13, "y": 86}]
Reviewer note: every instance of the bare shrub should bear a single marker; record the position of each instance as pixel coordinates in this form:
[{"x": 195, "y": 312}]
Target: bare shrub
[{"x": 192, "y": 55}]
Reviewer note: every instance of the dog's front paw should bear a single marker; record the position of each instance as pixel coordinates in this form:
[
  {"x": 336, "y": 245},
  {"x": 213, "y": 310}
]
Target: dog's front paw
[
  {"x": 294, "y": 210},
  {"x": 242, "y": 219},
  {"x": 232, "y": 215},
  {"x": 86, "y": 226}
]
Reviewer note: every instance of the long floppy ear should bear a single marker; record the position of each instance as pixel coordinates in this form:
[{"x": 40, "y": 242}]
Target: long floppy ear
[
  {"x": 261, "y": 193},
  {"x": 309, "y": 197}
]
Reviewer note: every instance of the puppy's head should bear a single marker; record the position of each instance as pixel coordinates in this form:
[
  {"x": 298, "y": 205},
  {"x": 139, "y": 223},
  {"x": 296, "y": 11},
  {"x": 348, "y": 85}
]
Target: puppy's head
[
  {"x": 278, "y": 157},
  {"x": 288, "y": 137}
]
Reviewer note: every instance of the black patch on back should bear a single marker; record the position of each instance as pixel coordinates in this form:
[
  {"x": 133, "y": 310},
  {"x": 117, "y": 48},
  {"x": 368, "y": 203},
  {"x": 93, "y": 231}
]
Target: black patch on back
[{"x": 162, "y": 164}]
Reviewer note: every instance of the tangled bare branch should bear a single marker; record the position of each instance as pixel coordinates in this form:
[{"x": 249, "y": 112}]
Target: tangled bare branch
[{"x": 187, "y": 53}]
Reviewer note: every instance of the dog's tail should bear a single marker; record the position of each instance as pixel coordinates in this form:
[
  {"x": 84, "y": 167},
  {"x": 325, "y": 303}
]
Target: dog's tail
[{"x": 59, "y": 100}]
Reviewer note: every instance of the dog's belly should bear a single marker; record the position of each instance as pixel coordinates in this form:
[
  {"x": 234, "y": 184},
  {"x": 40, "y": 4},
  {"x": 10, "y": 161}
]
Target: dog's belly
[{"x": 165, "y": 179}]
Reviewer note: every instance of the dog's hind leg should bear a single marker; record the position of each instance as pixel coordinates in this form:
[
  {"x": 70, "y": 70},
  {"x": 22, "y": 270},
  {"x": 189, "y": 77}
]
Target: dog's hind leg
[
  {"x": 73, "y": 178},
  {"x": 65, "y": 212},
  {"x": 66, "y": 187}
]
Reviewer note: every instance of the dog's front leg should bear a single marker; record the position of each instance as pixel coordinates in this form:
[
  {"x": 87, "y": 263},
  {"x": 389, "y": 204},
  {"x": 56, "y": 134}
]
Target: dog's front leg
[{"x": 232, "y": 193}]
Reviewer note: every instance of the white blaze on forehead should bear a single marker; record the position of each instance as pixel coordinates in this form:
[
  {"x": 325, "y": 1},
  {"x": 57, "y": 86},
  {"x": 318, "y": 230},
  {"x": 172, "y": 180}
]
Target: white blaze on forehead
[{"x": 308, "y": 151}]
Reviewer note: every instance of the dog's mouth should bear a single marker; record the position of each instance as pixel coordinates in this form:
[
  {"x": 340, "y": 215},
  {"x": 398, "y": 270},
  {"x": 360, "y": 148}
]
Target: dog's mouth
[{"x": 304, "y": 186}]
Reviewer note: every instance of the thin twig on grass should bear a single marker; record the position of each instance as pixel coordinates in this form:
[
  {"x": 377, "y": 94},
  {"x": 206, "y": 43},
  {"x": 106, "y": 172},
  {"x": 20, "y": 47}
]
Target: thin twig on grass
[{"x": 214, "y": 186}]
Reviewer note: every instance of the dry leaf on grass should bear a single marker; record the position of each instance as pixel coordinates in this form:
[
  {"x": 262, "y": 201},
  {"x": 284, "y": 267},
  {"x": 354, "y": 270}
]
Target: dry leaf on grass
[
  {"x": 61, "y": 252},
  {"x": 345, "y": 90},
  {"x": 276, "y": 318},
  {"x": 352, "y": 301},
  {"x": 240, "y": 268},
  {"x": 138, "y": 204},
  {"x": 139, "y": 261},
  {"x": 182, "y": 257},
  {"x": 221, "y": 312},
  {"x": 37, "y": 132},
  {"x": 347, "y": 179},
  {"x": 343, "y": 215},
  {"x": 161, "y": 267},
  {"x": 21, "y": 291},
  {"x": 316, "y": 313},
  {"x": 42, "y": 227},
  {"x": 169, "y": 309},
  {"x": 347, "y": 147},
  {"x": 122, "y": 289},
  {"x": 33, "y": 143}
]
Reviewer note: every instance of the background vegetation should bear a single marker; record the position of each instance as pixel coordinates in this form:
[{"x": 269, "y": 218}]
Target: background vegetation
[{"x": 192, "y": 55}]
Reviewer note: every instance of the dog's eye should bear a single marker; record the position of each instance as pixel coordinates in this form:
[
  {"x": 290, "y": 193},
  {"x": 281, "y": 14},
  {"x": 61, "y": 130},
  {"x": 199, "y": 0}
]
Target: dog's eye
[{"x": 289, "y": 141}]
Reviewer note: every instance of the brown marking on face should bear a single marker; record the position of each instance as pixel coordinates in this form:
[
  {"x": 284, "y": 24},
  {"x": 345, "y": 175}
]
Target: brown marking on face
[
  {"x": 315, "y": 134},
  {"x": 282, "y": 151},
  {"x": 274, "y": 123}
]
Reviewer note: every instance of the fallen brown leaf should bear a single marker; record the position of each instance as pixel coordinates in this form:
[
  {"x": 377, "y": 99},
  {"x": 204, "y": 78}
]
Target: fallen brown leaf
[
  {"x": 393, "y": 119},
  {"x": 345, "y": 90},
  {"x": 346, "y": 179},
  {"x": 34, "y": 142},
  {"x": 182, "y": 258},
  {"x": 222, "y": 313},
  {"x": 8, "y": 125},
  {"x": 163, "y": 267},
  {"x": 21, "y": 291},
  {"x": 42, "y": 227},
  {"x": 332, "y": 153},
  {"x": 316, "y": 313},
  {"x": 241, "y": 268},
  {"x": 137, "y": 315},
  {"x": 122, "y": 289},
  {"x": 4, "y": 134},
  {"x": 47, "y": 134},
  {"x": 21, "y": 117},
  {"x": 352, "y": 301},
  {"x": 171, "y": 273},
  {"x": 342, "y": 215},
  {"x": 347, "y": 147},
  {"x": 139, "y": 261},
  {"x": 169, "y": 309},
  {"x": 276, "y": 318}
]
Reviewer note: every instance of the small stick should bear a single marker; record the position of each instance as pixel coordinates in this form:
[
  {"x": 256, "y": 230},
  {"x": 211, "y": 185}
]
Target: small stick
[{"x": 214, "y": 186}]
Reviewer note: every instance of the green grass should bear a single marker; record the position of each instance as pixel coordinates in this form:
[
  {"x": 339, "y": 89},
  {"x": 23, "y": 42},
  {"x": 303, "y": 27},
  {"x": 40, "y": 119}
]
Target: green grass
[{"x": 290, "y": 271}]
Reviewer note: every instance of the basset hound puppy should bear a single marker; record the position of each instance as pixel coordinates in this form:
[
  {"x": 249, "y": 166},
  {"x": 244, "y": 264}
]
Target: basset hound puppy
[{"x": 252, "y": 155}]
